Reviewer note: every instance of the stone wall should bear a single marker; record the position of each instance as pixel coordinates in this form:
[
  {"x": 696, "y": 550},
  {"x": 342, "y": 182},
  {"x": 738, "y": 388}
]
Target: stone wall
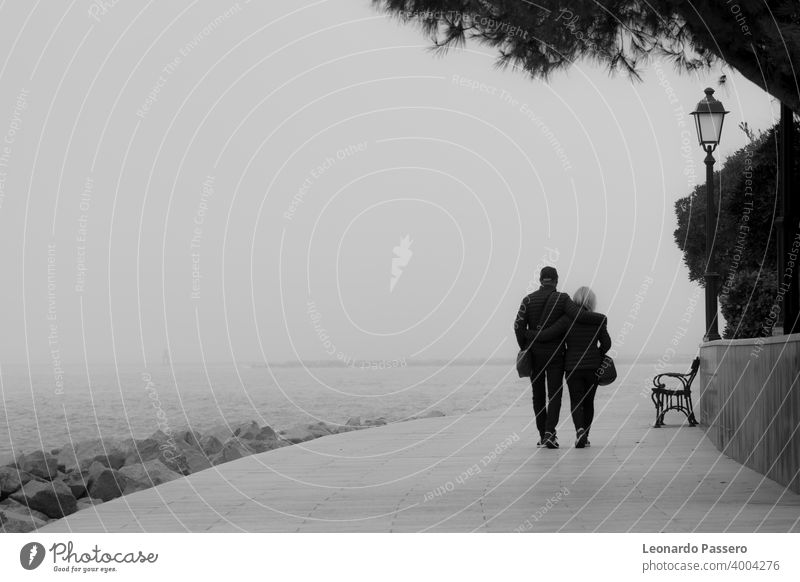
[{"x": 749, "y": 403}]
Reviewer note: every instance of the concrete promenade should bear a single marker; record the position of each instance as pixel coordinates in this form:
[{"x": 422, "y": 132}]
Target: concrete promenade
[{"x": 477, "y": 472}]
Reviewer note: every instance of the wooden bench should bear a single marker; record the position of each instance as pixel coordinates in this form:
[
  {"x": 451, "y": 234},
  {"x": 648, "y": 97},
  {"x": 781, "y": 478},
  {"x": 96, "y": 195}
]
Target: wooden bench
[{"x": 665, "y": 399}]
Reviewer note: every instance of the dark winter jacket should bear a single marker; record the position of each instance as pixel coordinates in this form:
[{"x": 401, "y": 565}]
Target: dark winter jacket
[
  {"x": 586, "y": 341},
  {"x": 531, "y": 310}
]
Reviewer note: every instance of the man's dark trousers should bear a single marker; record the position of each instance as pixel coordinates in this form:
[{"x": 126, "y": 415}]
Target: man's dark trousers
[{"x": 547, "y": 410}]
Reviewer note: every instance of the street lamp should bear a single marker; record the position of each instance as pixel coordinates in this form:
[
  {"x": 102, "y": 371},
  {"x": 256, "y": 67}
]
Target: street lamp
[{"x": 708, "y": 118}]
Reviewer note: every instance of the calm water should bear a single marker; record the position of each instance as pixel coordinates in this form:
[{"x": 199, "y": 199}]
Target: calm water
[{"x": 132, "y": 402}]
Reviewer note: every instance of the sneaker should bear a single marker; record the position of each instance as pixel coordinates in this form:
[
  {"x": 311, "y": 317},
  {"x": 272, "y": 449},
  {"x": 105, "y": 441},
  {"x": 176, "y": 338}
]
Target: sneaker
[
  {"x": 580, "y": 442},
  {"x": 550, "y": 440}
]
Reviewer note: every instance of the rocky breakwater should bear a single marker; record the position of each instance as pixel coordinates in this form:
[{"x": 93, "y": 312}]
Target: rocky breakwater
[{"x": 42, "y": 486}]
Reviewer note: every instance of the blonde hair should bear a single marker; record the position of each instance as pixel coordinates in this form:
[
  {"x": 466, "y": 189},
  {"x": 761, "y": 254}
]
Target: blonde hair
[{"x": 585, "y": 297}]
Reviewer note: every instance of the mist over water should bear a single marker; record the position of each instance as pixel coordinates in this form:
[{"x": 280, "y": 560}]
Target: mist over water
[{"x": 132, "y": 402}]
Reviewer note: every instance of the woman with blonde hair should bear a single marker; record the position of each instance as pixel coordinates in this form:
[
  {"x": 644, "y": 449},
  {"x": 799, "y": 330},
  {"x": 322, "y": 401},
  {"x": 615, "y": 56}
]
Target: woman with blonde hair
[{"x": 586, "y": 344}]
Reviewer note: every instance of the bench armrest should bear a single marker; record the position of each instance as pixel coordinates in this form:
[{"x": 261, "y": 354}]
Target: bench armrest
[{"x": 682, "y": 378}]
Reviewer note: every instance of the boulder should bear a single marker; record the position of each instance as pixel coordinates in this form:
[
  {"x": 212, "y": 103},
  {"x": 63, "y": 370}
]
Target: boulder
[
  {"x": 266, "y": 433},
  {"x": 432, "y": 414},
  {"x": 232, "y": 449},
  {"x": 71, "y": 454},
  {"x": 161, "y": 436},
  {"x": 113, "y": 459},
  {"x": 94, "y": 471},
  {"x": 375, "y": 422},
  {"x": 222, "y": 432},
  {"x": 267, "y": 445},
  {"x": 190, "y": 438},
  {"x": 80, "y": 455},
  {"x": 150, "y": 473},
  {"x": 77, "y": 482},
  {"x": 87, "y": 502},
  {"x": 163, "y": 448},
  {"x": 11, "y": 522},
  {"x": 11, "y": 506},
  {"x": 108, "y": 484},
  {"x": 54, "y": 499},
  {"x": 296, "y": 434},
  {"x": 197, "y": 460},
  {"x": 354, "y": 421},
  {"x": 347, "y": 428},
  {"x": 210, "y": 445},
  {"x": 11, "y": 479},
  {"x": 320, "y": 429},
  {"x": 246, "y": 430},
  {"x": 39, "y": 463}
]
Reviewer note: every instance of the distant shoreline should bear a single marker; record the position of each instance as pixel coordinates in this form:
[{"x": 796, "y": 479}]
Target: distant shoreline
[
  {"x": 647, "y": 359},
  {"x": 406, "y": 363}
]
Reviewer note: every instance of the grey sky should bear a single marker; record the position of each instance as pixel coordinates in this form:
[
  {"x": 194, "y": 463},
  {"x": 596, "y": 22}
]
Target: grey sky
[{"x": 295, "y": 145}]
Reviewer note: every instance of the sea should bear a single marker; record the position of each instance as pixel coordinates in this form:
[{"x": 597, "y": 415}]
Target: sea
[{"x": 124, "y": 401}]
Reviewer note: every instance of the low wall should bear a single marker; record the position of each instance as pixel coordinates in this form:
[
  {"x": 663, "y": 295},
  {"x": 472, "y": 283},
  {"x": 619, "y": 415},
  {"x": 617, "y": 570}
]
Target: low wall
[{"x": 749, "y": 403}]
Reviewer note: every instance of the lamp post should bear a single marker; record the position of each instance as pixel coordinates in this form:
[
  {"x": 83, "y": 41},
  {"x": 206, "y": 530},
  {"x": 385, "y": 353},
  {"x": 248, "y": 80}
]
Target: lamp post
[{"x": 708, "y": 118}]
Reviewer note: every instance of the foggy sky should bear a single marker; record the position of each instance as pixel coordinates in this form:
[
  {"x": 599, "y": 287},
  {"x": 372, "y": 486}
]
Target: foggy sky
[{"x": 230, "y": 180}]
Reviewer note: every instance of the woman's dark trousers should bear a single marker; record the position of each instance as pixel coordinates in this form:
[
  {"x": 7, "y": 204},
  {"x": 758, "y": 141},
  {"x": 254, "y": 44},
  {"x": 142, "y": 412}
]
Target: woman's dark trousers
[{"x": 582, "y": 385}]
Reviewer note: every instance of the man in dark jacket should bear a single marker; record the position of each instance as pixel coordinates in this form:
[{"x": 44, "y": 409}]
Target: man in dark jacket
[{"x": 538, "y": 311}]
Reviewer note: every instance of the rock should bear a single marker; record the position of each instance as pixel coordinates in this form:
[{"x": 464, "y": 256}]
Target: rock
[
  {"x": 267, "y": 445},
  {"x": 297, "y": 434},
  {"x": 82, "y": 454},
  {"x": 197, "y": 460},
  {"x": 11, "y": 479},
  {"x": 210, "y": 445},
  {"x": 40, "y": 464},
  {"x": 11, "y": 522},
  {"x": 190, "y": 437},
  {"x": 77, "y": 483},
  {"x": 354, "y": 421},
  {"x": 246, "y": 430},
  {"x": 109, "y": 484},
  {"x": 163, "y": 448},
  {"x": 114, "y": 459},
  {"x": 88, "y": 502},
  {"x": 266, "y": 433},
  {"x": 306, "y": 432},
  {"x": 432, "y": 414},
  {"x": 71, "y": 454},
  {"x": 375, "y": 422},
  {"x": 347, "y": 428},
  {"x": 232, "y": 449},
  {"x": 55, "y": 452},
  {"x": 54, "y": 499},
  {"x": 150, "y": 473},
  {"x": 161, "y": 436},
  {"x": 94, "y": 471},
  {"x": 320, "y": 429},
  {"x": 9, "y": 505},
  {"x": 266, "y": 440},
  {"x": 222, "y": 432}
]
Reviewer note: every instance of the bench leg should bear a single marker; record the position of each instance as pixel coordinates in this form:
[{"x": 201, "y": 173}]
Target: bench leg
[
  {"x": 658, "y": 402},
  {"x": 690, "y": 414}
]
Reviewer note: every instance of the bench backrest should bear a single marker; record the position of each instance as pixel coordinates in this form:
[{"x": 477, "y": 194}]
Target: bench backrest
[{"x": 692, "y": 372}]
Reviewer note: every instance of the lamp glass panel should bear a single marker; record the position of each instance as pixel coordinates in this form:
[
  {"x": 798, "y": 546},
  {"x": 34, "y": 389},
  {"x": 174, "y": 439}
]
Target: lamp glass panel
[
  {"x": 697, "y": 127},
  {"x": 710, "y": 127}
]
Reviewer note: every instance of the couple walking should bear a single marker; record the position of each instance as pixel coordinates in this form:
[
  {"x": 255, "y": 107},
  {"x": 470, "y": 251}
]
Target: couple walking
[{"x": 562, "y": 336}]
